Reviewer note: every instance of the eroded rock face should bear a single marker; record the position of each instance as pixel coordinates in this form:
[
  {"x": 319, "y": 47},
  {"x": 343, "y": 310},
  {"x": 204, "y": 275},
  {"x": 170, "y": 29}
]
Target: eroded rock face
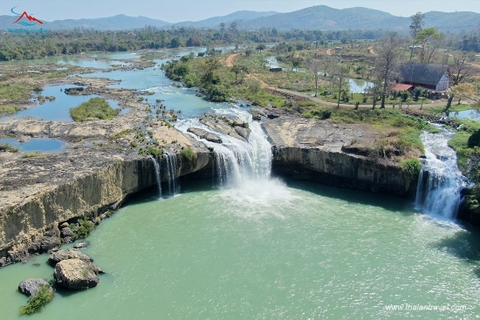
[
  {"x": 30, "y": 286},
  {"x": 334, "y": 154},
  {"x": 232, "y": 127},
  {"x": 204, "y": 134},
  {"x": 62, "y": 255},
  {"x": 76, "y": 274}
]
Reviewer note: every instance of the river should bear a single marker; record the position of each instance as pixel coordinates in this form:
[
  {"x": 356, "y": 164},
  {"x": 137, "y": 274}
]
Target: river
[{"x": 267, "y": 249}]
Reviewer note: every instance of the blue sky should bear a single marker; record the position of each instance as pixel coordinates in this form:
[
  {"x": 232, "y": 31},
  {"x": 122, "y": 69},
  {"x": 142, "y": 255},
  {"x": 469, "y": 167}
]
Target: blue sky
[{"x": 194, "y": 10}]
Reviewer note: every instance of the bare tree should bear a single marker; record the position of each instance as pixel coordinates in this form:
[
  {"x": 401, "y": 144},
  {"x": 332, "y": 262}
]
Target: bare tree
[
  {"x": 338, "y": 78},
  {"x": 459, "y": 70},
  {"x": 314, "y": 67},
  {"x": 386, "y": 65}
]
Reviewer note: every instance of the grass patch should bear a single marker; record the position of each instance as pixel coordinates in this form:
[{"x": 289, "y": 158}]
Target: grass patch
[
  {"x": 8, "y": 148},
  {"x": 121, "y": 134},
  {"x": 411, "y": 167},
  {"x": 31, "y": 155},
  {"x": 95, "y": 108},
  {"x": 43, "y": 296},
  {"x": 13, "y": 92},
  {"x": 189, "y": 155},
  {"x": 7, "y": 110}
]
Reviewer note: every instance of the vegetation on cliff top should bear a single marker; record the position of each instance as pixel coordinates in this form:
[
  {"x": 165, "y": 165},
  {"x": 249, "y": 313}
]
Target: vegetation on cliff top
[{"x": 95, "y": 108}]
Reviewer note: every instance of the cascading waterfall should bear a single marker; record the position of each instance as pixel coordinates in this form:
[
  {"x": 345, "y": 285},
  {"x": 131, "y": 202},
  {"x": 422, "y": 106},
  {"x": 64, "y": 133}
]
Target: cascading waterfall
[
  {"x": 238, "y": 162},
  {"x": 440, "y": 181},
  {"x": 171, "y": 171},
  {"x": 157, "y": 175}
]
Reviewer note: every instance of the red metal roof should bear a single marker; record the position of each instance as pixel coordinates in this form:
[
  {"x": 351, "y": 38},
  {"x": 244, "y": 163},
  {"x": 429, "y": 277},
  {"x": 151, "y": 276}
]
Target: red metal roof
[{"x": 401, "y": 87}]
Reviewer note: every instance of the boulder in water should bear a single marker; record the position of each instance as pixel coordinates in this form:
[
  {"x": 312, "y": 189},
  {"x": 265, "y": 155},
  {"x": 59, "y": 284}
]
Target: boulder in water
[
  {"x": 61, "y": 255},
  {"x": 81, "y": 245},
  {"x": 76, "y": 274},
  {"x": 30, "y": 286}
]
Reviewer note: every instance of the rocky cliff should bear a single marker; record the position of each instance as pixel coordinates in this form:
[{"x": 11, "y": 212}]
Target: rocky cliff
[{"x": 333, "y": 154}]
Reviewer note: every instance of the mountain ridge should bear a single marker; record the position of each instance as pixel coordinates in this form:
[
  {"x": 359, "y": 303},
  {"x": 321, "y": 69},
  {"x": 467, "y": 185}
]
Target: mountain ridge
[{"x": 319, "y": 17}]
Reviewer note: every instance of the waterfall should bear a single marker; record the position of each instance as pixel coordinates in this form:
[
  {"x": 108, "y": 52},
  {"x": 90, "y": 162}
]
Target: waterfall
[
  {"x": 157, "y": 175},
  {"x": 237, "y": 162},
  {"x": 171, "y": 171},
  {"x": 440, "y": 181}
]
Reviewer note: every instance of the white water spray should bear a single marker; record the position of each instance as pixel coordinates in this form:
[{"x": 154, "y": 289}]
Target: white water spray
[
  {"x": 440, "y": 181},
  {"x": 171, "y": 171},
  {"x": 157, "y": 175},
  {"x": 243, "y": 168}
]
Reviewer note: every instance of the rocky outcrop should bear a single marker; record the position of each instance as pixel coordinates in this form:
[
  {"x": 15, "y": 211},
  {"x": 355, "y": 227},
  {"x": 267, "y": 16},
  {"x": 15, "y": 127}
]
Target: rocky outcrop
[
  {"x": 321, "y": 151},
  {"x": 75, "y": 274},
  {"x": 61, "y": 255},
  {"x": 39, "y": 194},
  {"x": 204, "y": 134},
  {"x": 232, "y": 127},
  {"x": 30, "y": 286}
]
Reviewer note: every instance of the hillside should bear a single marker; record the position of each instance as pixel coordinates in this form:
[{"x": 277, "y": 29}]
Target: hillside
[
  {"x": 236, "y": 16},
  {"x": 314, "y": 18},
  {"x": 326, "y": 18}
]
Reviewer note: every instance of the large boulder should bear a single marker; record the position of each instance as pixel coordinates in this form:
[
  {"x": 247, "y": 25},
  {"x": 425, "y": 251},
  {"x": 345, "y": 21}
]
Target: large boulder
[
  {"x": 61, "y": 255},
  {"x": 30, "y": 286},
  {"x": 204, "y": 134},
  {"x": 76, "y": 274}
]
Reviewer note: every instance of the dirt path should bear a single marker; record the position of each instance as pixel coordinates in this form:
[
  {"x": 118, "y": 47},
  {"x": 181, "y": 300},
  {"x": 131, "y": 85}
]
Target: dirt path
[
  {"x": 334, "y": 104},
  {"x": 230, "y": 58}
]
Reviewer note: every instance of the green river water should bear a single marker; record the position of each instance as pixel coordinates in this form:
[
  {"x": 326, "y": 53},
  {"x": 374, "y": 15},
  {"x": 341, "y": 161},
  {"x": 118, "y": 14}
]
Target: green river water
[
  {"x": 263, "y": 250},
  {"x": 267, "y": 251}
]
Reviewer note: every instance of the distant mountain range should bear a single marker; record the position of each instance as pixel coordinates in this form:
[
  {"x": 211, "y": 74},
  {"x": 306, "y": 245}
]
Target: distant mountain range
[{"x": 313, "y": 18}]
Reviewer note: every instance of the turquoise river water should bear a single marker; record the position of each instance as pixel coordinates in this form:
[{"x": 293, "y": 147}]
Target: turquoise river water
[
  {"x": 267, "y": 250},
  {"x": 263, "y": 249}
]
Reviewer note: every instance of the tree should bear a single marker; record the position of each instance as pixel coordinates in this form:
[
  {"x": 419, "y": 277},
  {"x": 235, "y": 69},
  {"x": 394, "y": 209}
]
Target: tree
[
  {"x": 338, "y": 78},
  {"x": 417, "y": 24},
  {"x": 239, "y": 69},
  {"x": 254, "y": 86},
  {"x": 423, "y": 38},
  {"x": 314, "y": 67},
  {"x": 175, "y": 43},
  {"x": 459, "y": 70},
  {"x": 461, "y": 90},
  {"x": 233, "y": 27},
  {"x": 386, "y": 64}
]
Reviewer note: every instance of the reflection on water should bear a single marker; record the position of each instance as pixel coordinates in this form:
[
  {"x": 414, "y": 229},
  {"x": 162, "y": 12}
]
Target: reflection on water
[
  {"x": 358, "y": 85},
  {"x": 36, "y": 145},
  {"x": 466, "y": 114},
  {"x": 58, "y": 109}
]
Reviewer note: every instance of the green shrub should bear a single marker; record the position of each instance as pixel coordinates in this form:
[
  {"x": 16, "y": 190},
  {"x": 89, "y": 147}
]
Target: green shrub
[
  {"x": 6, "y": 110},
  {"x": 474, "y": 140},
  {"x": 7, "y": 147},
  {"x": 189, "y": 155},
  {"x": 95, "y": 108},
  {"x": 411, "y": 167},
  {"x": 84, "y": 228},
  {"x": 43, "y": 296}
]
